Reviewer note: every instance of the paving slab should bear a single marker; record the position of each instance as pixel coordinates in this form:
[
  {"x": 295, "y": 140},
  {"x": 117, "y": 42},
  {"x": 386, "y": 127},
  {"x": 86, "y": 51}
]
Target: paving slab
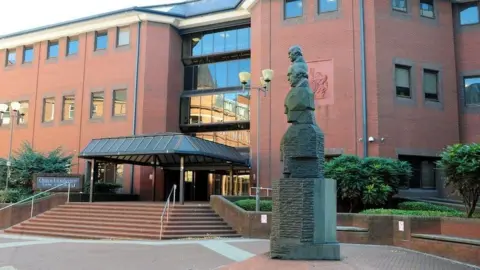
[
  {"x": 74, "y": 256},
  {"x": 357, "y": 257}
]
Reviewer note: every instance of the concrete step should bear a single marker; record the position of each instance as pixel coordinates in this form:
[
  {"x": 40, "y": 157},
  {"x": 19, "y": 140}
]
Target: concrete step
[
  {"x": 127, "y": 220},
  {"x": 197, "y": 237},
  {"x": 134, "y": 211},
  {"x": 86, "y": 232},
  {"x": 127, "y": 215},
  {"x": 74, "y": 226},
  {"x": 136, "y": 205},
  {"x": 67, "y": 235},
  {"x": 198, "y": 232}
]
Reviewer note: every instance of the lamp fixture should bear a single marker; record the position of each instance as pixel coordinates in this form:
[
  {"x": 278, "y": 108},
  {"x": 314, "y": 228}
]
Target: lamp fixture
[
  {"x": 244, "y": 77},
  {"x": 15, "y": 106},
  {"x": 3, "y": 108},
  {"x": 267, "y": 75}
]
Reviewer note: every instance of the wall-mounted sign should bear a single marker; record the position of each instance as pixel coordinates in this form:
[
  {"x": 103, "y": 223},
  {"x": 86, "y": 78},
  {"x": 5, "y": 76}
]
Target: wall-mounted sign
[
  {"x": 264, "y": 219},
  {"x": 401, "y": 226},
  {"x": 42, "y": 182}
]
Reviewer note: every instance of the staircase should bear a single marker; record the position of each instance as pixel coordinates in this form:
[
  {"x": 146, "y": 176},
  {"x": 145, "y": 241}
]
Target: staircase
[{"x": 125, "y": 221}]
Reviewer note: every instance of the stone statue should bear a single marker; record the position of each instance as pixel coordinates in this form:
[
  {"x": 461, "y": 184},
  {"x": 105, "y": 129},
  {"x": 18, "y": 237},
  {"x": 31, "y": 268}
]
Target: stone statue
[{"x": 304, "y": 202}]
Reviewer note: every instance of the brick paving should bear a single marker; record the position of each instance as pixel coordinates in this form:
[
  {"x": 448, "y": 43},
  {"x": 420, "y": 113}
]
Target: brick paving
[{"x": 244, "y": 254}]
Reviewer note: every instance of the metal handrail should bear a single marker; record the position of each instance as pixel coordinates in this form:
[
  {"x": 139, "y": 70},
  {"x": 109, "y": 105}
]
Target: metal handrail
[
  {"x": 36, "y": 195},
  {"x": 166, "y": 208}
]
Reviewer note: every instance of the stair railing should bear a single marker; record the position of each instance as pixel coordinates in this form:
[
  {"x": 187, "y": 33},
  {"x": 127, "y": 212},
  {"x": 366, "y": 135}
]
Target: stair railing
[
  {"x": 166, "y": 209},
  {"x": 35, "y": 196}
]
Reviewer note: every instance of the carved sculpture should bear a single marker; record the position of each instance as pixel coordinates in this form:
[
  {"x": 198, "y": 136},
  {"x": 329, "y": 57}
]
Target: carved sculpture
[{"x": 304, "y": 203}]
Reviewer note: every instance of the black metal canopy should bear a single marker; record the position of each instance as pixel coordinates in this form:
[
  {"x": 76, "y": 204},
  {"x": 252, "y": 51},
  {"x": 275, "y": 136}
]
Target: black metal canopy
[{"x": 163, "y": 150}]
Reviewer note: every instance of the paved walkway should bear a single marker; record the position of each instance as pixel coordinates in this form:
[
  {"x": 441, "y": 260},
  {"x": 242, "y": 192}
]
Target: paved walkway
[{"x": 33, "y": 253}]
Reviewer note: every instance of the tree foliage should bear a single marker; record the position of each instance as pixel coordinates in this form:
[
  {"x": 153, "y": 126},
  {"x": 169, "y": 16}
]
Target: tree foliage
[
  {"x": 461, "y": 163},
  {"x": 371, "y": 181},
  {"x": 26, "y": 162}
]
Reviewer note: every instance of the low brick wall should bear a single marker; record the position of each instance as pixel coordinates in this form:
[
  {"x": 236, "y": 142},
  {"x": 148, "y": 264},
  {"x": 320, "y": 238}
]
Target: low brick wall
[
  {"x": 22, "y": 212},
  {"x": 446, "y": 237}
]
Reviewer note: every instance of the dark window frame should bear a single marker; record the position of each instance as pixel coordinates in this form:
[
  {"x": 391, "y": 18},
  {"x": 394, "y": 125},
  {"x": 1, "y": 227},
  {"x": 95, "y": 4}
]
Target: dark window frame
[
  {"x": 70, "y": 39},
  {"x": 394, "y": 8},
  {"x": 7, "y": 56},
  {"x": 25, "y": 49},
  {"x": 49, "y": 45},
  {"x": 475, "y": 105},
  {"x": 467, "y": 4},
  {"x": 422, "y": 11},
  {"x": 437, "y": 90},
  {"x": 92, "y": 105},
  {"x": 285, "y": 9},
  {"x": 114, "y": 101},
  {"x": 119, "y": 29},
  {"x": 409, "y": 69},
  {"x": 63, "y": 107},
  {"x": 97, "y": 35},
  {"x": 328, "y": 11}
]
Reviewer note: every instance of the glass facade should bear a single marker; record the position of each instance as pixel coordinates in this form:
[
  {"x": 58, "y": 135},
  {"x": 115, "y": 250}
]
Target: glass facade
[
  {"x": 217, "y": 42},
  {"x": 234, "y": 138},
  {"x": 215, "y": 75}
]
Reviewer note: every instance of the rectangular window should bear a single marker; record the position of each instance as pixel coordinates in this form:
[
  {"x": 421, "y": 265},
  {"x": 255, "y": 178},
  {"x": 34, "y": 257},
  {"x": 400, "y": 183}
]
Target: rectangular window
[
  {"x": 430, "y": 84},
  {"x": 327, "y": 6},
  {"x": 68, "y": 108},
  {"x": 72, "y": 45},
  {"x": 27, "y": 54},
  {"x": 472, "y": 91},
  {"x": 427, "y": 8},
  {"x": 96, "y": 110},
  {"x": 11, "y": 58},
  {"x": 293, "y": 8},
  {"x": 101, "y": 40},
  {"x": 48, "y": 109},
  {"x": 120, "y": 102},
  {"x": 123, "y": 36},
  {"x": 469, "y": 13},
  {"x": 23, "y": 119},
  {"x": 399, "y": 5},
  {"x": 52, "y": 49},
  {"x": 402, "y": 81}
]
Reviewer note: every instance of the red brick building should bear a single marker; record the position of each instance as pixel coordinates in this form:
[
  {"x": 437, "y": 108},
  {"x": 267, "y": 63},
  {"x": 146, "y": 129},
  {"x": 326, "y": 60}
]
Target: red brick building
[{"x": 391, "y": 78}]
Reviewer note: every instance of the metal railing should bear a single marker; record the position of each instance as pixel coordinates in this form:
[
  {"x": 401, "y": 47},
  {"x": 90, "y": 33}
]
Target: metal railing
[
  {"x": 36, "y": 195},
  {"x": 260, "y": 188},
  {"x": 166, "y": 209}
]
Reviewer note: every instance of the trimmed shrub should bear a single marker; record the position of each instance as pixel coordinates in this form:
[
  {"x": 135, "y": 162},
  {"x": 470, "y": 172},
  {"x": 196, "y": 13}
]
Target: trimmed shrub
[
  {"x": 249, "y": 205},
  {"x": 399, "y": 212},
  {"x": 423, "y": 206}
]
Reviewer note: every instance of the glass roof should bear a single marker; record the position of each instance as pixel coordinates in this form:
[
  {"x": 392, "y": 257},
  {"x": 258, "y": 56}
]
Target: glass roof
[{"x": 196, "y": 7}]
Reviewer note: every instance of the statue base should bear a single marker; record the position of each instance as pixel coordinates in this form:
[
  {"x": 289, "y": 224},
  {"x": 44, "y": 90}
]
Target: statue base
[{"x": 304, "y": 219}]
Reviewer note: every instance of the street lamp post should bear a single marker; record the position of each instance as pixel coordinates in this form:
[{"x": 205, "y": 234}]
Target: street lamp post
[
  {"x": 267, "y": 76},
  {"x": 14, "y": 114}
]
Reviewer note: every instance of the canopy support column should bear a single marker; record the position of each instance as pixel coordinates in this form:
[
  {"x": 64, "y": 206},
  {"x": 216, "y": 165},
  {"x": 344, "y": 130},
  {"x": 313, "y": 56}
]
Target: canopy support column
[
  {"x": 154, "y": 181},
  {"x": 231, "y": 187},
  {"x": 182, "y": 180},
  {"x": 92, "y": 177}
]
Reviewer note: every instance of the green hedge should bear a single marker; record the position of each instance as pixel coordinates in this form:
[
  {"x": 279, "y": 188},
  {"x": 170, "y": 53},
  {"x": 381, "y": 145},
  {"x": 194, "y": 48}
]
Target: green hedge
[
  {"x": 249, "y": 205},
  {"x": 399, "y": 212},
  {"x": 423, "y": 206}
]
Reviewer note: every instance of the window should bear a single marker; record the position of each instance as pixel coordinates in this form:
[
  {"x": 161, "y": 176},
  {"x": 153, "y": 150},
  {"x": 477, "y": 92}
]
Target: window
[
  {"x": 68, "y": 108},
  {"x": 234, "y": 138},
  {"x": 327, "y": 6},
  {"x": 52, "y": 49},
  {"x": 293, "y": 8},
  {"x": 426, "y": 8},
  {"x": 27, "y": 54},
  {"x": 96, "y": 110},
  {"x": 202, "y": 44},
  {"x": 399, "y": 5},
  {"x": 123, "y": 36},
  {"x": 472, "y": 91},
  {"x": 215, "y": 75},
  {"x": 72, "y": 45},
  {"x": 48, "y": 109},
  {"x": 402, "y": 81},
  {"x": 430, "y": 84},
  {"x": 119, "y": 102},
  {"x": 23, "y": 119},
  {"x": 469, "y": 13},
  {"x": 101, "y": 41},
  {"x": 11, "y": 58}
]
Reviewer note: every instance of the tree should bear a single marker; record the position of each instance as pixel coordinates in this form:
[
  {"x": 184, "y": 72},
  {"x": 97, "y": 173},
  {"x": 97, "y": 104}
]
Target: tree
[
  {"x": 26, "y": 162},
  {"x": 461, "y": 164}
]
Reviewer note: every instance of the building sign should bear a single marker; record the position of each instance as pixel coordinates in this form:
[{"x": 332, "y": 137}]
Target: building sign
[
  {"x": 320, "y": 75},
  {"x": 42, "y": 182}
]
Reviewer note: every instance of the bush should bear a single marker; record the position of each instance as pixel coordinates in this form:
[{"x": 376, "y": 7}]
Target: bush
[
  {"x": 422, "y": 206},
  {"x": 461, "y": 163},
  {"x": 12, "y": 195},
  {"x": 400, "y": 212},
  {"x": 371, "y": 181},
  {"x": 250, "y": 204}
]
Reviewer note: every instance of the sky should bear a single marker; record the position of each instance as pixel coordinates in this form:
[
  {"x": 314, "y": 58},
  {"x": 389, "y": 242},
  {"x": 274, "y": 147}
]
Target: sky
[{"x": 29, "y": 14}]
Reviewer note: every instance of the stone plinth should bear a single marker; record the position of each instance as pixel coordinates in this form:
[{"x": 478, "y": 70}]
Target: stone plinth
[{"x": 304, "y": 219}]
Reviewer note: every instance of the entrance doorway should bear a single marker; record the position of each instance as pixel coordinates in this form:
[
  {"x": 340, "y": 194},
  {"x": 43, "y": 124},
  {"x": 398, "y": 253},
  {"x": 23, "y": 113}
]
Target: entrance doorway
[{"x": 200, "y": 184}]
